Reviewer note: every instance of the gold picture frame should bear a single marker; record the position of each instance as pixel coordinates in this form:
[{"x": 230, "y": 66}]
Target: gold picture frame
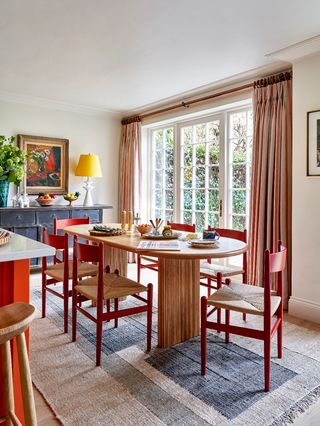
[{"x": 48, "y": 170}]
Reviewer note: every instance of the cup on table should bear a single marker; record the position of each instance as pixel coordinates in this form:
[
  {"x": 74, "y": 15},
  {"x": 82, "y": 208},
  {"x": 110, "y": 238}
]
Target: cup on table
[{"x": 210, "y": 235}]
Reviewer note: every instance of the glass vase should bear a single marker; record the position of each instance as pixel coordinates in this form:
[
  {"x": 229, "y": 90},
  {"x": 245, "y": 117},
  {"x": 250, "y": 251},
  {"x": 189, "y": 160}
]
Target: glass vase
[{"x": 4, "y": 192}]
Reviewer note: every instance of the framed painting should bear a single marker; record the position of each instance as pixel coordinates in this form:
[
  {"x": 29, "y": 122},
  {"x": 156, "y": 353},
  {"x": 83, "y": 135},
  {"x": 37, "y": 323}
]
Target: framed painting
[
  {"x": 47, "y": 169},
  {"x": 313, "y": 143}
]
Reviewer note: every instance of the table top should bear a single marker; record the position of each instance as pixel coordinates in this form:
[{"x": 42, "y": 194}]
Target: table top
[
  {"x": 226, "y": 246},
  {"x": 20, "y": 247}
]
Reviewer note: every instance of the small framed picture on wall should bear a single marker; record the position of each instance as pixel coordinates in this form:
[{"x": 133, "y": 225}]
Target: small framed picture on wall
[
  {"x": 47, "y": 169},
  {"x": 313, "y": 143}
]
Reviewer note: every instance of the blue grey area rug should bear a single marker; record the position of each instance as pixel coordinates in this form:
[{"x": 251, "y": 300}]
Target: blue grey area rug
[{"x": 167, "y": 385}]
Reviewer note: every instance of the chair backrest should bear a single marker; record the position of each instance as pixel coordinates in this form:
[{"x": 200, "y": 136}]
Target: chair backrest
[
  {"x": 231, "y": 233},
  {"x": 184, "y": 227},
  {"x": 88, "y": 253},
  {"x": 59, "y": 242},
  {"x": 274, "y": 263},
  {"x": 59, "y": 224}
]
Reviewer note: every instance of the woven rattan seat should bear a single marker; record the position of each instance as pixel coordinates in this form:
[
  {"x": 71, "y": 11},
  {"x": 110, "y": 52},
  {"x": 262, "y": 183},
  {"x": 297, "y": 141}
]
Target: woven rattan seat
[
  {"x": 115, "y": 286},
  {"x": 244, "y": 298},
  {"x": 211, "y": 270},
  {"x": 84, "y": 270}
]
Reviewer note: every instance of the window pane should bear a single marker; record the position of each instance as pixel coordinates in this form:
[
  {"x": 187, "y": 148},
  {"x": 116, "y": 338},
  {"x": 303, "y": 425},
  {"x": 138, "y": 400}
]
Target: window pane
[
  {"x": 169, "y": 178},
  {"x": 158, "y": 198},
  {"x": 213, "y": 220},
  {"x": 187, "y": 155},
  {"x": 169, "y": 139},
  {"x": 200, "y": 154},
  {"x": 200, "y": 133},
  {"x": 200, "y": 200},
  {"x": 169, "y": 215},
  {"x": 238, "y": 147},
  {"x": 200, "y": 218},
  {"x": 238, "y": 128},
  {"x": 238, "y": 222},
  {"x": 214, "y": 177},
  {"x": 200, "y": 177},
  {"x": 239, "y": 202},
  {"x": 158, "y": 159},
  {"x": 187, "y": 217},
  {"x": 239, "y": 175},
  {"x": 187, "y": 177},
  {"x": 214, "y": 200},
  {"x": 158, "y": 178},
  {"x": 186, "y": 133},
  {"x": 214, "y": 152},
  {"x": 187, "y": 200},
  {"x": 158, "y": 139},
  {"x": 169, "y": 199},
  {"x": 157, "y": 213},
  {"x": 250, "y": 122},
  {"x": 213, "y": 131}
]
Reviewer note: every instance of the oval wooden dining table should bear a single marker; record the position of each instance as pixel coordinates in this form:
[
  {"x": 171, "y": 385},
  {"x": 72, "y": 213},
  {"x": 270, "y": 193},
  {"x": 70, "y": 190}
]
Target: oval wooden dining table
[{"x": 178, "y": 279}]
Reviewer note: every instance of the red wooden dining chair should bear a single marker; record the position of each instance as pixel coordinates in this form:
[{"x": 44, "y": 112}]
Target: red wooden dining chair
[
  {"x": 250, "y": 300},
  {"x": 60, "y": 271},
  {"x": 60, "y": 224},
  {"x": 153, "y": 263},
  {"x": 103, "y": 288}
]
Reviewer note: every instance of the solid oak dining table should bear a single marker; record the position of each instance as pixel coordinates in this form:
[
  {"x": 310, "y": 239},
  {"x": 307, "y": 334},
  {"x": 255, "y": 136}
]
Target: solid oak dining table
[{"x": 178, "y": 278}]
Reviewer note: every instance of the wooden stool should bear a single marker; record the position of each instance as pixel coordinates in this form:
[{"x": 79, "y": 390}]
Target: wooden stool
[{"x": 14, "y": 320}]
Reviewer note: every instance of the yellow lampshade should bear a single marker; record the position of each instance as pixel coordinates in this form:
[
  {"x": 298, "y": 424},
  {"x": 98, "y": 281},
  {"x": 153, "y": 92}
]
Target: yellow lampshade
[{"x": 88, "y": 165}]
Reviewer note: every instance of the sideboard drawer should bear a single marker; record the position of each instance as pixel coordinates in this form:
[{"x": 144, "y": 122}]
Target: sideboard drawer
[
  {"x": 93, "y": 214},
  {"x": 45, "y": 218},
  {"x": 19, "y": 218}
]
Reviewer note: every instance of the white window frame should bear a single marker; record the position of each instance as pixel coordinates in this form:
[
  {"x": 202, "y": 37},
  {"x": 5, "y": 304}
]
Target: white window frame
[{"x": 225, "y": 177}]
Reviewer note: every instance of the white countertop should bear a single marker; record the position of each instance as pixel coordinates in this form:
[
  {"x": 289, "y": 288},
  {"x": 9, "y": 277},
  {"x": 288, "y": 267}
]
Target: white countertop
[{"x": 20, "y": 247}]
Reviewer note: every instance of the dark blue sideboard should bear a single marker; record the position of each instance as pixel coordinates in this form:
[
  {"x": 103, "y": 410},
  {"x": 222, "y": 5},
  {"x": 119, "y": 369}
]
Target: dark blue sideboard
[{"x": 29, "y": 221}]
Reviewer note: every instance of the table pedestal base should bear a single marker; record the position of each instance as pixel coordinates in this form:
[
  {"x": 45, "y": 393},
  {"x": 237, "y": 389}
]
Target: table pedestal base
[{"x": 178, "y": 301}]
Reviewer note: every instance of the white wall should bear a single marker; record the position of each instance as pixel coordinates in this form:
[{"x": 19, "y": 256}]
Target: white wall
[
  {"x": 305, "y": 300},
  {"x": 95, "y": 133}
]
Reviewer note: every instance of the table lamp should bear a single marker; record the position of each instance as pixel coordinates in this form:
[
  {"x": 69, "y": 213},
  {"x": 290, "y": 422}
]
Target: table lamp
[{"x": 88, "y": 166}]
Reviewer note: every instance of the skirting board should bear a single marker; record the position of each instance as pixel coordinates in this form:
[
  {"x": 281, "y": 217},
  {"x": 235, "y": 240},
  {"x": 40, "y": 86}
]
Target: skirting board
[{"x": 304, "y": 309}]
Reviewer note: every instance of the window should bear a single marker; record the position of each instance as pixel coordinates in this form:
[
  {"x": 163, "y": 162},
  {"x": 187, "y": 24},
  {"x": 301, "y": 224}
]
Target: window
[{"x": 200, "y": 170}]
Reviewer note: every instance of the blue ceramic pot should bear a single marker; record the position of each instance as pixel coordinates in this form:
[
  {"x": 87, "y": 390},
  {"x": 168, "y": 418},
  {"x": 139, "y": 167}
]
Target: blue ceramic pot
[{"x": 4, "y": 192}]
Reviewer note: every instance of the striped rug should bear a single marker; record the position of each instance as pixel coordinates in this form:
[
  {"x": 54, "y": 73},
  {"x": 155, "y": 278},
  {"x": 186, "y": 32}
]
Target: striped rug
[{"x": 165, "y": 387}]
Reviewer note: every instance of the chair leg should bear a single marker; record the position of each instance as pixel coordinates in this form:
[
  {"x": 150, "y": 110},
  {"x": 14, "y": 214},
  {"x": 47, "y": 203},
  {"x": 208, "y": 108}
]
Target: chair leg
[
  {"x": 279, "y": 337},
  {"x": 7, "y": 381},
  {"x": 44, "y": 295},
  {"x": 227, "y": 337},
  {"x": 26, "y": 382},
  {"x": 267, "y": 362},
  {"x": 209, "y": 289},
  {"x": 219, "y": 285},
  {"x": 203, "y": 334},
  {"x": 108, "y": 307},
  {"x": 65, "y": 304},
  {"x": 244, "y": 317},
  {"x": 99, "y": 342},
  {"x": 74, "y": 315},
  {"x": 116, "y": 307},
  {"x": 138, "y": 268},
  {"x": 149, "y": 316}
]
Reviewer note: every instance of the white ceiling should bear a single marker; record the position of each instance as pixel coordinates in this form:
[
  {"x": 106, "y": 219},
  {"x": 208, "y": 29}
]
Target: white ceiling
[{"x": 124, "y": 54}]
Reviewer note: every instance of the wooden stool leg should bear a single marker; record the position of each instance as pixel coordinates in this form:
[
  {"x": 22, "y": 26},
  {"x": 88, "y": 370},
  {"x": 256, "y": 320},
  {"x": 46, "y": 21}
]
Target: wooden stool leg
[
  {"x": 26, "y": 383},
  {"x": 7, "y": 381}
]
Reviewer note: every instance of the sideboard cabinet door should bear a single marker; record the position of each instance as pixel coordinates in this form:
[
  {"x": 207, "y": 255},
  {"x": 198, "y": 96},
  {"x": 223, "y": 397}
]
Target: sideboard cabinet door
[{"x": 93, "y": 214}]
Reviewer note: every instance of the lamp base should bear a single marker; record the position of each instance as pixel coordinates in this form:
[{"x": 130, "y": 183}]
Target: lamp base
[{"x": 88, "y": 186}]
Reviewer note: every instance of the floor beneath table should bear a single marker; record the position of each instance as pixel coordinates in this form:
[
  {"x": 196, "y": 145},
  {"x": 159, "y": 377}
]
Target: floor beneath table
[{"x": 46, "y": 416}]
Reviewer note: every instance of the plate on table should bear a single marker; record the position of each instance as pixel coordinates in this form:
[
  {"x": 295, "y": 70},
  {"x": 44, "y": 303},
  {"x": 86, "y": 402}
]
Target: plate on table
[
  {"x": 200, "y": 243},
  {"x": 105, "y": 231},
  {"x": 4, "y": 237},
  {"x": 174, "y": 236}
]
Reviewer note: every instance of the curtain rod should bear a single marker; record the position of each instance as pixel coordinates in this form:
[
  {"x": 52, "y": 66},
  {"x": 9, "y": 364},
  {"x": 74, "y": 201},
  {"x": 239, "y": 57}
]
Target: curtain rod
[
  {"x": 284, "y": 75},
  {"x": 186, "y": 104}
]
